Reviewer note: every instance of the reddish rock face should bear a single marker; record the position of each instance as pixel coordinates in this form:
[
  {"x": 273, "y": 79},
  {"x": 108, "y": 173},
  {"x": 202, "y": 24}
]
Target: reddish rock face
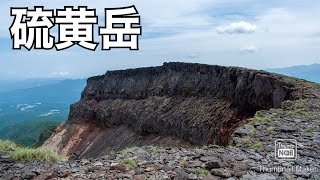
[{"x": 176, "y": 102}]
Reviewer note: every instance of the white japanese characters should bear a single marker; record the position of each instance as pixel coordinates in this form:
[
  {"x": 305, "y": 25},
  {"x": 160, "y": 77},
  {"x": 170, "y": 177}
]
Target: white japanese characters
[
  {"x": 31, "y": 28},
  {"x": 76, "y": 26},
  {"x": 120, "y": 30},
  {"x": 35, "y": 31}
]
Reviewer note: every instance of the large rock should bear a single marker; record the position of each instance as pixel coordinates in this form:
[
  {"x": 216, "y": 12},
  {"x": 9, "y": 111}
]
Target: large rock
[{"x": 197, "y": 103}]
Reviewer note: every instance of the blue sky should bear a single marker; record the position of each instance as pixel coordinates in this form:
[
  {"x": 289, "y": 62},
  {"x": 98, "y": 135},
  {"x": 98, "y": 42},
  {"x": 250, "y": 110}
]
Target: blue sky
[{"x": 248, "y": 33}]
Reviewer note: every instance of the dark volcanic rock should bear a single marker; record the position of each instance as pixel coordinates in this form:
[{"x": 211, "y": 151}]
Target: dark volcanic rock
[{"x": 200, "y": 104}]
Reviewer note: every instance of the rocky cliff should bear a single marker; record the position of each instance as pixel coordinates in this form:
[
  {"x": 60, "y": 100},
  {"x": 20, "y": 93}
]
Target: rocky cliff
[{"x": 174, "y": 104}]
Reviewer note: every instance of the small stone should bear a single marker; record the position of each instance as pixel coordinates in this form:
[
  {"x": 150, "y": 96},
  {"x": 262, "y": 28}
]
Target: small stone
[
  {"x": 149, "y": 169},
  {"x": 19, "y": 165},
  {"x": 29, "y": 175},
  {"x": 140, "y": 177},
  {"x": 118, "y": 167},
  {"x": 194, "y": 164},
  {"x": 244, "y": 130},
  {"x": 123, "y": 176},
  {"x": 5, "y": 157},
  {"x": 181, "y": 175},
  {"x": 285, "y": 128},
  {"x": 224, "y": 173},
  {"x": 214, "y": 163},
  {"x": 72, "y": 165},
  {"x": 240, "y": 169},
  {"x": 98, "y": 163},
  {"x": 192, "y": 177},
  {"x": 63, "y": 174},
  {"x": 84, "y": 161}
]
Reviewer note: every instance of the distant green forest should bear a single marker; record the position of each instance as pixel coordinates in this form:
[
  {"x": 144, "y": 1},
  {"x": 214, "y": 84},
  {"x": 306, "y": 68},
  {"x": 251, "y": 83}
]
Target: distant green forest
[{"x": 25, "y": 114}]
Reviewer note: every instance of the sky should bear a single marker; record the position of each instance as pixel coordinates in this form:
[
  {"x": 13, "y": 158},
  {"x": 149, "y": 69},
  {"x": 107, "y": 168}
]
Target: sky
[{"x": 248, "y": 33}]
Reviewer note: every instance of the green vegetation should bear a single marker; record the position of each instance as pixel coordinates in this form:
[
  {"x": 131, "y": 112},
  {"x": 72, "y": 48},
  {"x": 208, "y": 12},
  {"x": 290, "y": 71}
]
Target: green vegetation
[
  {"x": 309, "y": 130},
  {"x": 32, "y": 132},
  {"x": 130, "y": 162},
  {"x": 258, "y": 119},
  {"x": 123, "y": 151},
  {"x": 271, "y": 128},
  {"x": 221, "y": 150},
  {"x": 19, "y": 153},
  {"x": 205, "y": 172},
  {"x": 128, "y": 149},
  {"x": 297, "y": 111},
  {"x": 258, "y": 114},
  {"x": 274, "y": 115},
  {"x": 153, "y": 148},
  {"x": 7, "y": 146},
  {"x": 231, "y": 146},
  {"x": 28, "y": 154},
  {"x": 256, "y": 145},
  {"x": 197, "y": 172},
  {"x": 45, "y": 134},
  {"x": 253, "y": 131},
  {"x": 246, "y": 139}
]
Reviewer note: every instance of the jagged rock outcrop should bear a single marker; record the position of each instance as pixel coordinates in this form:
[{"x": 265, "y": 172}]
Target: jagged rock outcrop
[{"x": 173, "y": 103}]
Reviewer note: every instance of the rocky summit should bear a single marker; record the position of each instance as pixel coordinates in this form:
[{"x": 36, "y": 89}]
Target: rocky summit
[{"x": 184, "y": 121}]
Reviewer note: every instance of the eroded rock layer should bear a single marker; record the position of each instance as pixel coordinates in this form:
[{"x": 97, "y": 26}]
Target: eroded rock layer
[{"x": 199, "y": 104}]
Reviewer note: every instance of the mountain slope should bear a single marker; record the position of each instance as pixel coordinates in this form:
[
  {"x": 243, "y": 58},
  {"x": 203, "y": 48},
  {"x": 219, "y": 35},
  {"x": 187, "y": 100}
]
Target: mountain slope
[
  {"x": 197, "y": 103},
  {"x": 307, "y": 72}
]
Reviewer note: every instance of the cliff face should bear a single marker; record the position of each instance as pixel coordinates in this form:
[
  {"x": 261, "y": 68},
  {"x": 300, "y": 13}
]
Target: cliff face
[{"x": 173, "y": 103}]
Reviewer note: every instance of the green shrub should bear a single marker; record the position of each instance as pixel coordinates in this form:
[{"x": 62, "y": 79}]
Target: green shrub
[
  {"x": 196, "y": 172},
  {"x": 256, "y": 145},
  {"x": 253, "y": 131},
  {"x": 130, "y": 162},
  {"x": 258, "y": 114},
  {"x": 153, "y": 148},
  {"x": 19, "y": 153},
  {"x": 246, "y": 139},
  {"x": 28, "y": 154},
  {"x": 128, "y": 149},
  {"x": 221, "y": 150},
  {"x": 205, "y": 172},
  {"x": 271, "y": 128},
  {"x": 259, "y": 120},
  {"x": 7, "y": 146},
  {"x": 274, "y": 115},
  {"x": 309, "y": 130}
]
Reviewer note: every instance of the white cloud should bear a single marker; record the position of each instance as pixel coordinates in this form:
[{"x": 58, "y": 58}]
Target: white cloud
[
  {"x": 62, "y": 74},
  {"x": 241, "y": 27},
  {"x": 27, "y": 107},
  {"x": 51, "y": 112},
  {"x": 249, "y": 49}
]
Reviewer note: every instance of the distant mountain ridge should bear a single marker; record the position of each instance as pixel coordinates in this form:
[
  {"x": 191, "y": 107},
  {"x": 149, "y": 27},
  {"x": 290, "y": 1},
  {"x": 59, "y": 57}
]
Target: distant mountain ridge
[
  {"x": 308, "y": 72},
  {"x": 65, "y": 91},
  {"x": 11, "y": 85},
  {"x": 25, "y": 113}
]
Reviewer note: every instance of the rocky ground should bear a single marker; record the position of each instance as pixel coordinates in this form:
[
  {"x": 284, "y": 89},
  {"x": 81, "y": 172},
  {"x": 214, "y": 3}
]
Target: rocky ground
[{"x": 250, "y": 156}]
